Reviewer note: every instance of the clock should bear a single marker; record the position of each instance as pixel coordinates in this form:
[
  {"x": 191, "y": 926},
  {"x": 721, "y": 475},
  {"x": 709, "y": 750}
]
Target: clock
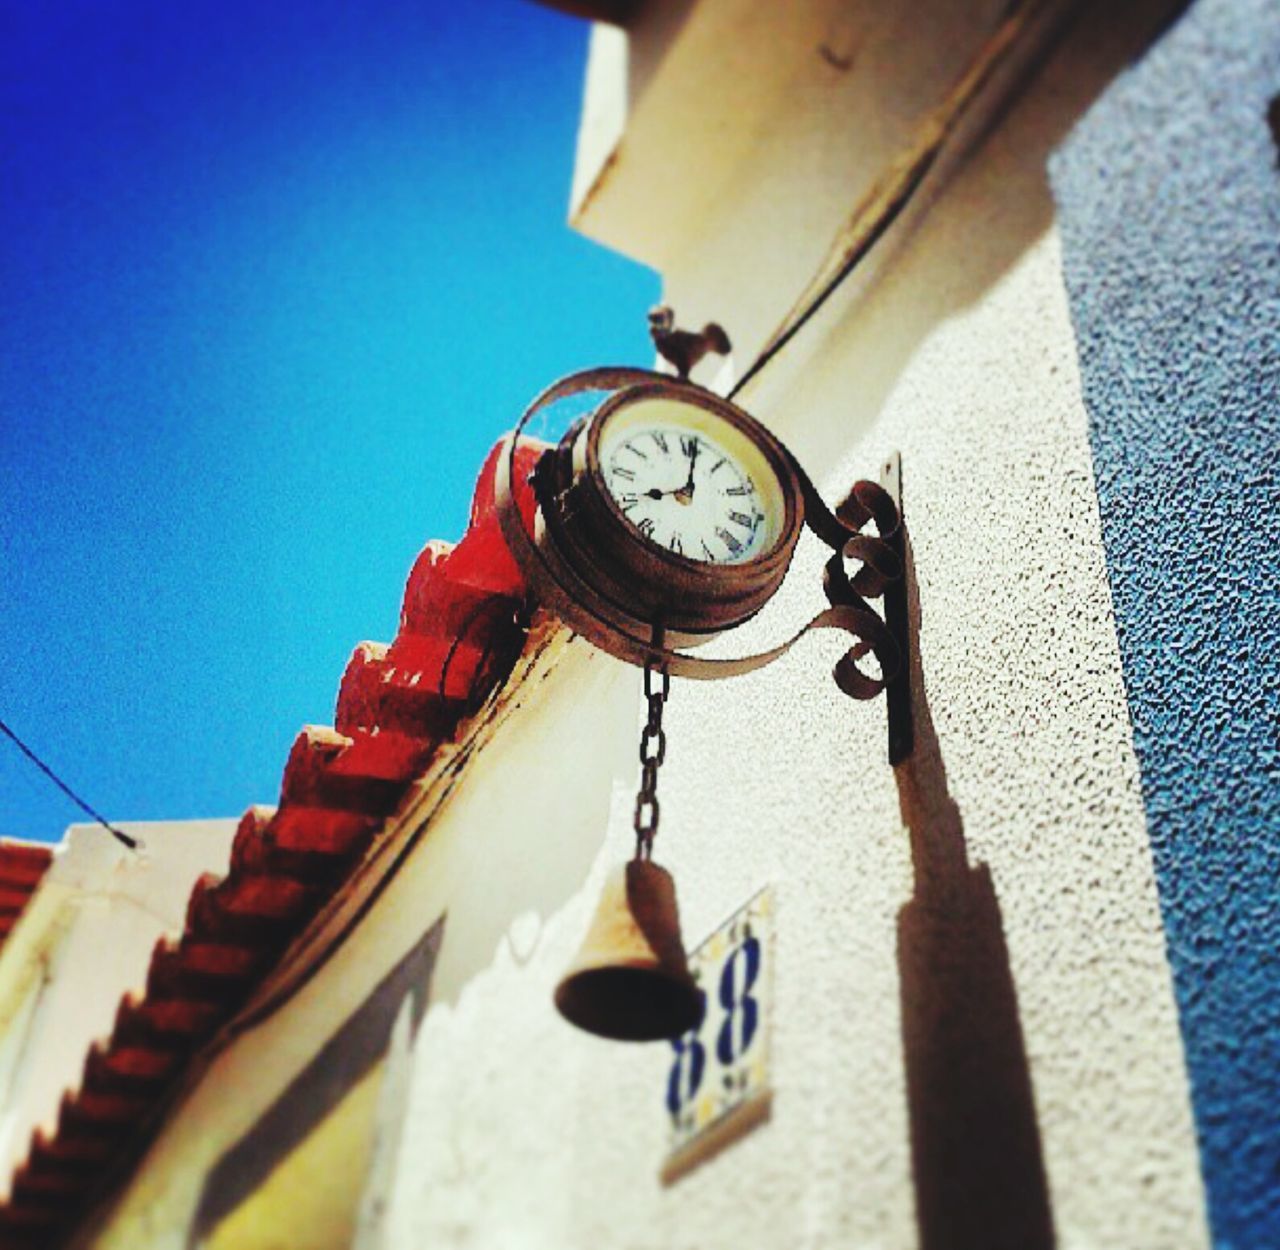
[
  {"x": 667, "y": 507},
  {"x": 697, "y": 487},
  {"x": 667, "y": 515},
  {"x": 664, "y": 516}
]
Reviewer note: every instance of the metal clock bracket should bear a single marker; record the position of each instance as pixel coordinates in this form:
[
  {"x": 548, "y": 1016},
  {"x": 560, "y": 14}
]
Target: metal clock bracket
[
  {"x": 897, "y": 618},
  {"x": 880, "y": 575},
  {"x": 863, "y": 565},
  {"x": 618, "y": 586}
]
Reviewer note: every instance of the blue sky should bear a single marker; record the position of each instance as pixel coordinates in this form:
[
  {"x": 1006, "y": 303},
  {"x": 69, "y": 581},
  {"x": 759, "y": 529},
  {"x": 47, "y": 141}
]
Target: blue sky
[{"x": 274, "y": 278}]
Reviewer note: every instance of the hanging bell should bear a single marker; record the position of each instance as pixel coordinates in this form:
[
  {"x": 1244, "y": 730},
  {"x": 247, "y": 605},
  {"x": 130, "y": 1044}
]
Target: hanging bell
[{"x": 630, "y": 980}]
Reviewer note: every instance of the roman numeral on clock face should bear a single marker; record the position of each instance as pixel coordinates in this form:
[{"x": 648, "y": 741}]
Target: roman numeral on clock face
[
  {"x": 729, "y": 540},
  {"x": 684, "y": 492}
]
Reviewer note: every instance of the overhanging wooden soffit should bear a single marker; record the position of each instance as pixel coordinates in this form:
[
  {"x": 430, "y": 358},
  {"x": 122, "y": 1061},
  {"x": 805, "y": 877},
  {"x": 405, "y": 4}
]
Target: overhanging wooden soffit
[{"x": 616, "y": 12}]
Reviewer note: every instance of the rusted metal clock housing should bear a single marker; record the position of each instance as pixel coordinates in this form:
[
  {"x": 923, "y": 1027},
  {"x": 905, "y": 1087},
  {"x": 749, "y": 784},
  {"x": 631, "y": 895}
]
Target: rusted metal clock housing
[
  {"x": 641, "y": 601},
  {"x": 644, "y": 604},
  {"x": 633, "y": 580}
]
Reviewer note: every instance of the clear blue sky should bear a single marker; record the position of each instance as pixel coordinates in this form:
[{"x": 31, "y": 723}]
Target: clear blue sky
[{"x": 274, "y": 277}]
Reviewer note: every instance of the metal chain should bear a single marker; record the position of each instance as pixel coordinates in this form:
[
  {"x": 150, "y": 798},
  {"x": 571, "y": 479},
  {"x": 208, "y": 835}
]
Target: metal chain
[{"x": 653, "y": 750}]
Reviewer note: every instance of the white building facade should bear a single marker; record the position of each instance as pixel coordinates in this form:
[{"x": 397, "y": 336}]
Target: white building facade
[{"x": 977, "y": 1024}]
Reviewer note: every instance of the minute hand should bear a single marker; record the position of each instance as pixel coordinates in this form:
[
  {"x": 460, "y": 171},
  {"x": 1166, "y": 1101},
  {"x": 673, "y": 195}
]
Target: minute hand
[{"x": 685, "y": 493}]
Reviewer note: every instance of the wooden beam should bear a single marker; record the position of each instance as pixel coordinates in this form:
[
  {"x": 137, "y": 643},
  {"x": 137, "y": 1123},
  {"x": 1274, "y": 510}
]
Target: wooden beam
[{"x": 616, "y": 12}]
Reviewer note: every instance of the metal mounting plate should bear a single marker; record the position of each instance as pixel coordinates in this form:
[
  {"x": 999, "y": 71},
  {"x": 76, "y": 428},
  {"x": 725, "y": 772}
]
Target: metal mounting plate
[{"x": 898, "y": 690}]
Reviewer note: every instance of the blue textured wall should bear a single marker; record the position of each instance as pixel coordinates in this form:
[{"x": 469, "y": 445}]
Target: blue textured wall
[{"x": 1169, "y": 204}]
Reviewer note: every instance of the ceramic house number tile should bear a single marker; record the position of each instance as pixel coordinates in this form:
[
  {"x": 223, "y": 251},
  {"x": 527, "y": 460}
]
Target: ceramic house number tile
[{"x": 718, "y": 1084}]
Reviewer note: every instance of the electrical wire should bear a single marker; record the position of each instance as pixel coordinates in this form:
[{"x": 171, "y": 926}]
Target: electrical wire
[{"x": 119, "y": 835}]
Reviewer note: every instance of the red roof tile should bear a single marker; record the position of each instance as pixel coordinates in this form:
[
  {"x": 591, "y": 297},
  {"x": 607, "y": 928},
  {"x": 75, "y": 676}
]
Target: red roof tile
[
  {"x": 22, "y": 867},
  {"x": 459, "y": 635}
]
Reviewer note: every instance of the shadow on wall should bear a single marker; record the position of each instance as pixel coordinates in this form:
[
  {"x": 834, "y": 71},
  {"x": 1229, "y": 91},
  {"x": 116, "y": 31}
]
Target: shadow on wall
[
  {"x": 997, "y": 205},
  {"x": 320, "y": 1161},
  {"x": 252, "y": 1191},
  {"x": 975, "y": 1143}
]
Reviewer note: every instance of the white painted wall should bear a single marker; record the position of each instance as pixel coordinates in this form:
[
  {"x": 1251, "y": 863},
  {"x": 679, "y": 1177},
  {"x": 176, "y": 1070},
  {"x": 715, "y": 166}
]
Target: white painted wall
[
  {"x": 84, "y": 940},
  {"x": 520, "y": 1133}
]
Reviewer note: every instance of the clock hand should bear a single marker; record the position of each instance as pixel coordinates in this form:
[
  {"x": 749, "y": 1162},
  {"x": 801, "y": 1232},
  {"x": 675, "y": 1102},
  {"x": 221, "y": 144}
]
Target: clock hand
[
  {"x": 685, "y": 493},
  {"x": 693, "y": 459},
  {"x": 680, "y": 492}
]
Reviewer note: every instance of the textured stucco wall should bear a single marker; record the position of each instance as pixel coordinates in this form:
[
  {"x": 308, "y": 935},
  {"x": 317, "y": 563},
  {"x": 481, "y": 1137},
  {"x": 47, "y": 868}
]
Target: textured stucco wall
[
  {"x": 976, "y": 1041},
  {"x": 1168, "y": 195}
]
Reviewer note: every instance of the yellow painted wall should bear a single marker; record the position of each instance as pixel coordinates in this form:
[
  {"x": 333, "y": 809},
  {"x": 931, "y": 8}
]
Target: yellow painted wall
[{"x": 312, "y": 1197}]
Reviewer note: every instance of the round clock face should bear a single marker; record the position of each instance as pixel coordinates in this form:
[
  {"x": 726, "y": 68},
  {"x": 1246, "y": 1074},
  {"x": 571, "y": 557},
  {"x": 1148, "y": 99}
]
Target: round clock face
[{"x": 691, "y": 482}]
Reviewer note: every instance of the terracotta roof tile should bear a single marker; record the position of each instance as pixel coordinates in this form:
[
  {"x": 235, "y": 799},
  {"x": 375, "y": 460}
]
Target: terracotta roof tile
[
  {"x": 22, "y": 867},
  {"x": 385, "y": 754},
  {"x": 321, "y": 832},
  {"x": 22, "y": 864},
  {"x": 459, "y": 635},
  {"x": 312, "y": 780},
  {"x": 163, "y": 1023}
]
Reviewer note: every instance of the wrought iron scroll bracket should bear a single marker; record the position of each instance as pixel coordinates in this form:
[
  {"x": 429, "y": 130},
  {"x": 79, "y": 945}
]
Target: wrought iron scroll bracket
[
  {"x": 881, "y": 575},
  {"x": 879, "y": 558}
]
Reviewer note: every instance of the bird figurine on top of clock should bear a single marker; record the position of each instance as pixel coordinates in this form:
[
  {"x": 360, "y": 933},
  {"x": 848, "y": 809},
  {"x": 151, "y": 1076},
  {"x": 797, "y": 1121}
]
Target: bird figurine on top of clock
[{"x": 683, "y": 349}]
